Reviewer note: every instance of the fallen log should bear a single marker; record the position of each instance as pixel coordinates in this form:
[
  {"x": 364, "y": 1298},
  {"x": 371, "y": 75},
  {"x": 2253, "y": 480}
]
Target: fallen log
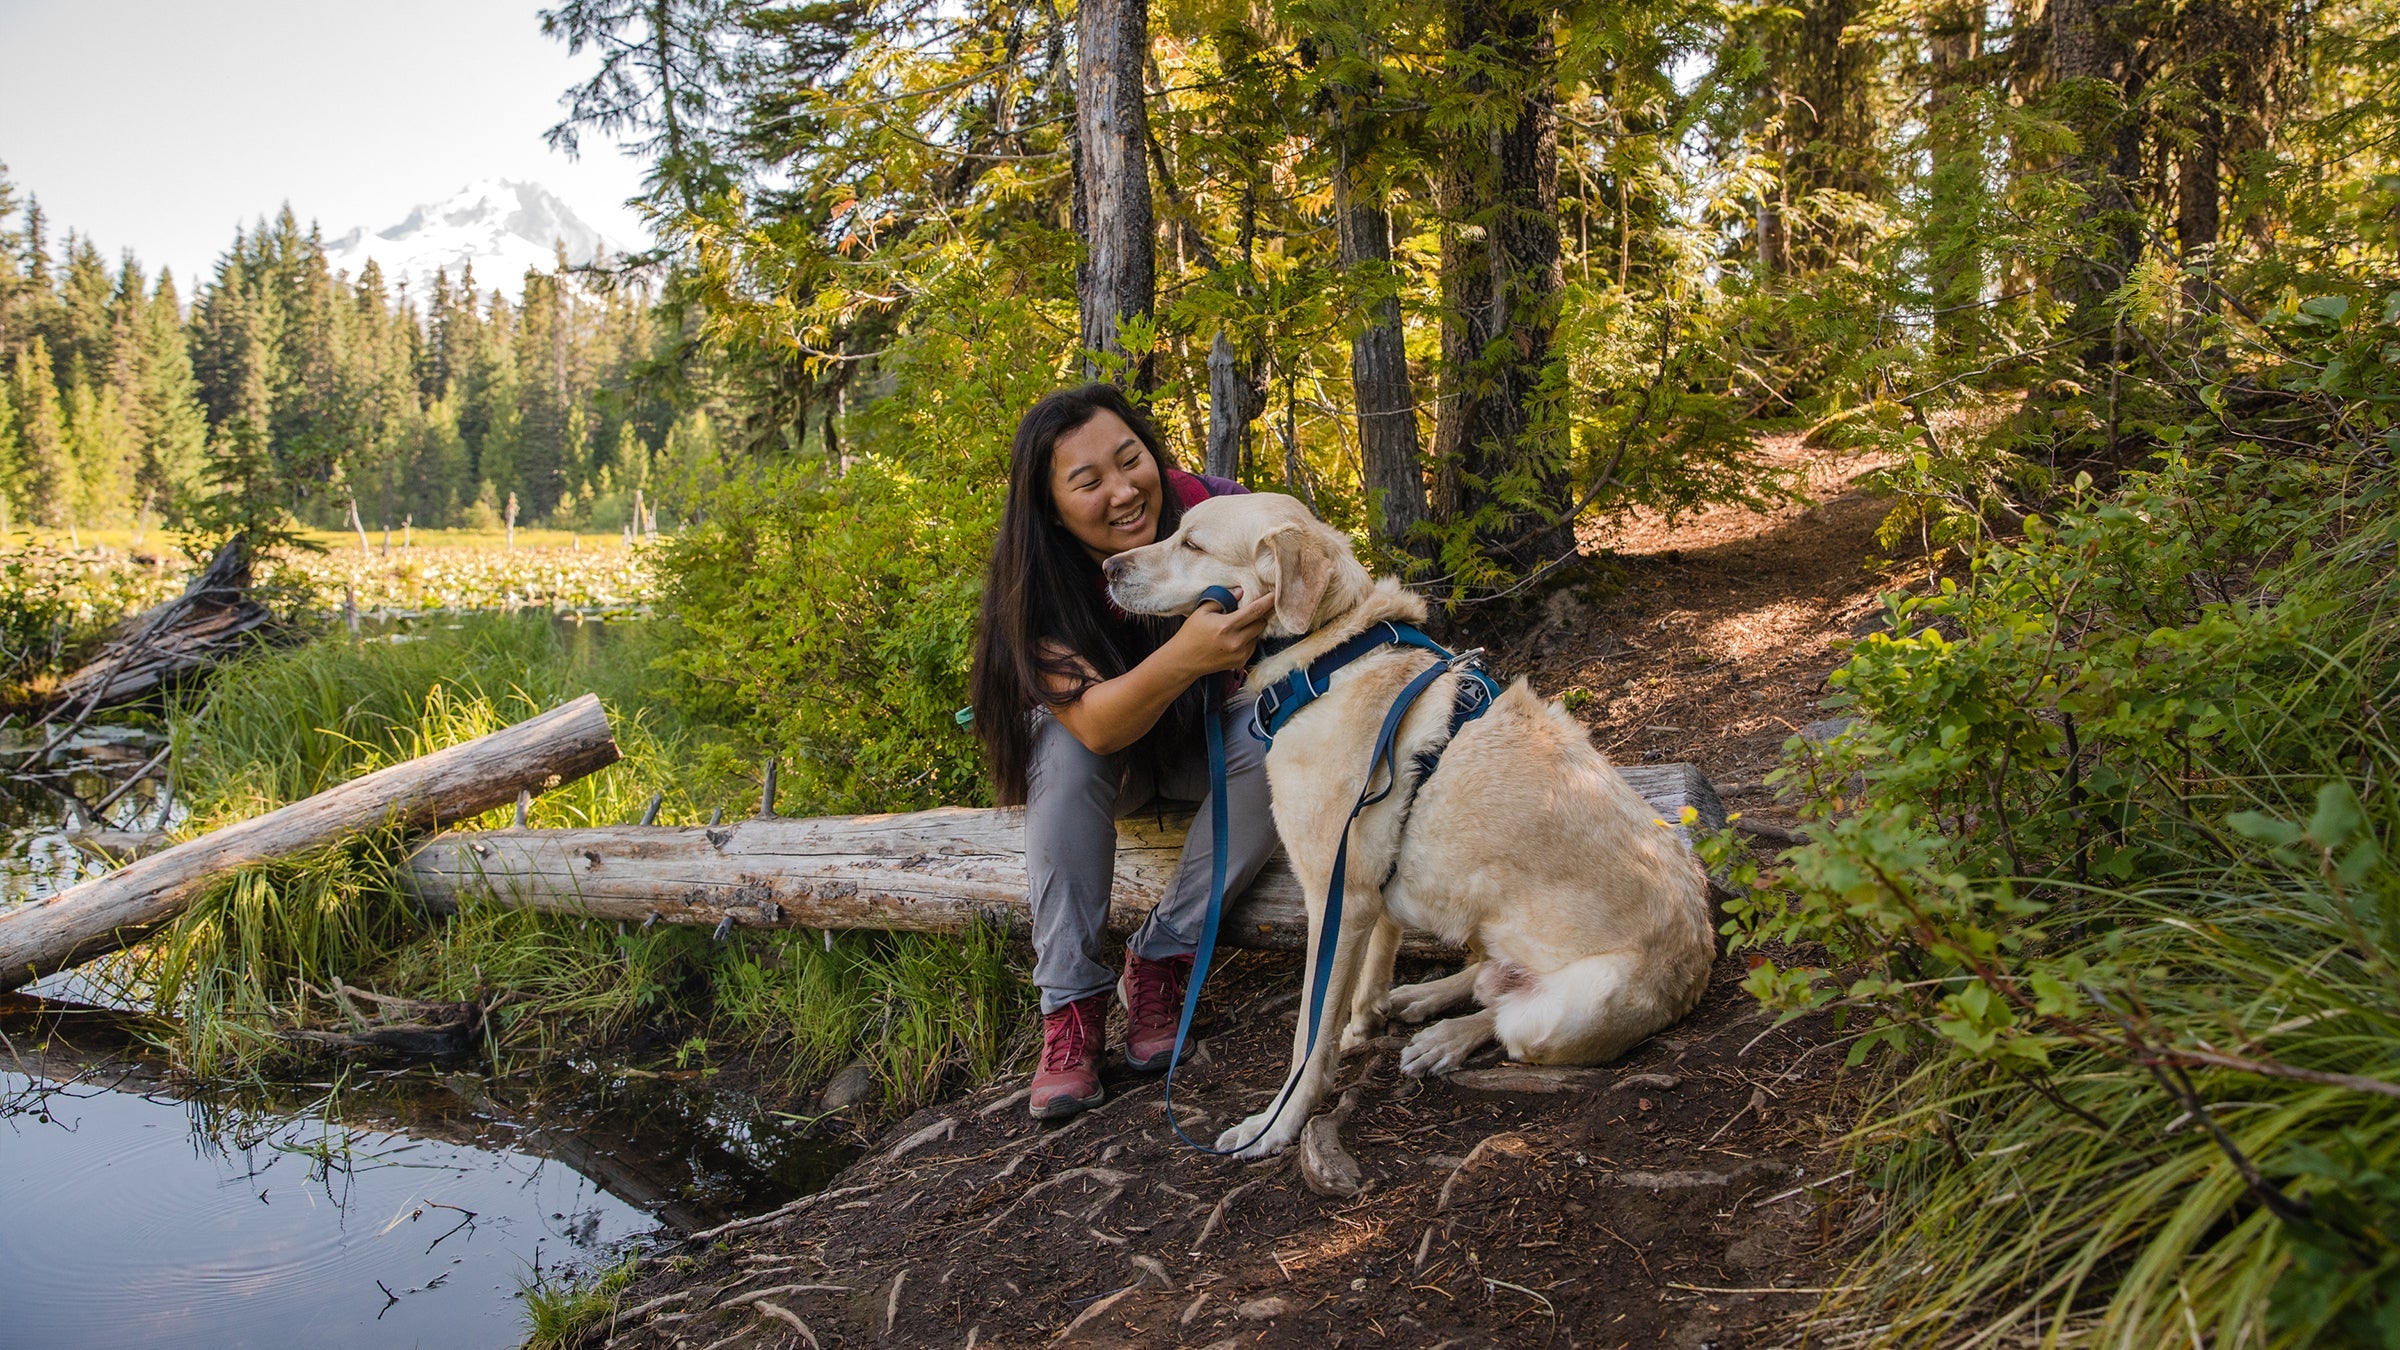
[
  {"x": 117, "y": 910},
  {"x": 926, "y": 871}
]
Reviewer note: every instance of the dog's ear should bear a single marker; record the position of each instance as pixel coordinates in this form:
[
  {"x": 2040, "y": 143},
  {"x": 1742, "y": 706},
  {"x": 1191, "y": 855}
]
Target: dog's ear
[{"x": 1300, "y": 567}]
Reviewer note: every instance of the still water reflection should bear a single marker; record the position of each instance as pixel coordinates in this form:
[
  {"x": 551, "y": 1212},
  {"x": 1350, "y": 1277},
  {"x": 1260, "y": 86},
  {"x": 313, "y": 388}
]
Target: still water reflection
[{"x": 394, "y": 1209}]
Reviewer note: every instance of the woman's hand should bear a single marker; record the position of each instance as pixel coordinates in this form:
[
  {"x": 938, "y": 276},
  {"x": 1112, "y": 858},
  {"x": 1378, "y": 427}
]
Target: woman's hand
[
  {"x": 1113, "y": 714},
  {"x": 1212, "y": 639}
]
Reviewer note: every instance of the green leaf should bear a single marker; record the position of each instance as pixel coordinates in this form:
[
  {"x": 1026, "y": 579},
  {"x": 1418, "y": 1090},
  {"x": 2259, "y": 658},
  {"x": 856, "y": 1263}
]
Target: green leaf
[
  {"x": 2338, "y": 816},
  {"x": 2265, "y": 828}
]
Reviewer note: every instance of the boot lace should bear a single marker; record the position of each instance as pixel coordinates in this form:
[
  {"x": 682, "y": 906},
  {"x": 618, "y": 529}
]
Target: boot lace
[
  {"x": 1067, "y": 1036},
  {"x": 1153, "y": 993}
]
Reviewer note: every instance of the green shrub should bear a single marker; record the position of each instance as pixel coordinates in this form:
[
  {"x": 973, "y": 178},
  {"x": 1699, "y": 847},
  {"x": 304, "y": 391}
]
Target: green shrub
[
  {"x": 829, "y": 610},
  {"x": 2108, "y": 856},
  {"x": 55, "y": 607}
]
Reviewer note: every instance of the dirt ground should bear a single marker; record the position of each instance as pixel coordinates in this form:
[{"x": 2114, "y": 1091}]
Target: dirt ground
[{"x": 1690, "y": 1195}]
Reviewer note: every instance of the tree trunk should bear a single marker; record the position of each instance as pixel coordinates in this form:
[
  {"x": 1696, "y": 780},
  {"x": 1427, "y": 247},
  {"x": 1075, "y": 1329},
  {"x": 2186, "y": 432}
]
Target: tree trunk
[
  {"x": 2089, "y": 63},
  {"x": 928, "y": 871},
  {"x": 1117, "y": 279},
  {"x": 2197, "y": 185},
  {"x": 1234, "y": 402},
  {"x": 1498, "y": 447},
  {"x": 1820, "y": 81},
  {"x": 118, "y": 910},
  {"x": 1954, "y": 212},
  {"x": 1387, "y": 403}
]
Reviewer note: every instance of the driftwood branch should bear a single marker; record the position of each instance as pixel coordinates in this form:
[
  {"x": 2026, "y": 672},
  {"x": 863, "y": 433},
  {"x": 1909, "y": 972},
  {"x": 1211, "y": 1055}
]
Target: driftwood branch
[
  {"x": 213, "y": 618},
  {"x": 117, "y": 910}
]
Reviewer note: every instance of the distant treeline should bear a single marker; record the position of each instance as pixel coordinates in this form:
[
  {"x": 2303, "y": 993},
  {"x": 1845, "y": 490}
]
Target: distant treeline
[{"x": 286, "y": 381}]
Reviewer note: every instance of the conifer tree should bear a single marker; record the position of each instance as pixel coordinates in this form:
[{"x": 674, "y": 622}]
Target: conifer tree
[
  {"x": 12, "y": 499},
  {"x": 45, "y": 471},
  {"x": 1499, "y": 445},
  {"x": 102, "y": 447},
  {"x": 174, "y": 428}
]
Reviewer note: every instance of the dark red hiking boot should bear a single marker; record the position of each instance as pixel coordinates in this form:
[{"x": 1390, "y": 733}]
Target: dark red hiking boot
[
  {"x": 1152, "y": 992},
  {"x": 1069, "y": 1079}
]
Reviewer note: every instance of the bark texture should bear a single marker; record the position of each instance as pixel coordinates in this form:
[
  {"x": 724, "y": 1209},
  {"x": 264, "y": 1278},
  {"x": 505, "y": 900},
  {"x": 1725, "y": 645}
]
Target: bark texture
[
  {"x": 1389, "y": 453},
  {"x": 118, "y": 910},
  {"x": 1117, "y": 278},
  {"x": 1500, "y": 457},
  {"x": 1234, "y": 402},
  {"x": 2091, "y": 65}
]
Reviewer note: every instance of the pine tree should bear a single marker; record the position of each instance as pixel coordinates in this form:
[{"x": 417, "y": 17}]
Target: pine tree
[
  {"x": 173, "y": 425},
  {"x": 102, "y": 448},
  {"x": 1499, "y": 444},
  {"x": 45, "y": 472},
  {"x": 12, "y": 498}
]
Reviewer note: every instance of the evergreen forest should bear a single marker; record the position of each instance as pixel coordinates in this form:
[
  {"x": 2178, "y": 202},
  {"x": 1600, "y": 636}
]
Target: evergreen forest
[
  {"x": 2091, "y": 882},
  {"x": 283, "y": 390}
]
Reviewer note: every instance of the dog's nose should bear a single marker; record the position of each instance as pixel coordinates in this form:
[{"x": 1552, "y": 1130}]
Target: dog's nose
[{"x": 1109, "y": 567}]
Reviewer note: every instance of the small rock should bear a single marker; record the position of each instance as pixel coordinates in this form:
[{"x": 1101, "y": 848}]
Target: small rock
[
  {"x": 1818, "y": 733},
  {"x": 1262, "y": 1310},
  {"x": 1661, "y": 1081},
  {"x": 855, "y": 1084}
]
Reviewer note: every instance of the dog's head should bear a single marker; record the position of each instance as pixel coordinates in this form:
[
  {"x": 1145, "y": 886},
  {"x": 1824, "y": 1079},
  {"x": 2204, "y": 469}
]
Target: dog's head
[{"x": 1249, "y": 544}]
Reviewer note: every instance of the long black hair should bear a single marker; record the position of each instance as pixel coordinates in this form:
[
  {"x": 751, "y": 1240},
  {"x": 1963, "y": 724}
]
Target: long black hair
[{"x": 1043, "y": 588}]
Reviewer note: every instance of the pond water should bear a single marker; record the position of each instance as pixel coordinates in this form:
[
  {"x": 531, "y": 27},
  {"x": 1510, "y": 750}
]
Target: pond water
[
  {"x": 403, "y": 1206},
  {"x": 395, "y": 1205}
]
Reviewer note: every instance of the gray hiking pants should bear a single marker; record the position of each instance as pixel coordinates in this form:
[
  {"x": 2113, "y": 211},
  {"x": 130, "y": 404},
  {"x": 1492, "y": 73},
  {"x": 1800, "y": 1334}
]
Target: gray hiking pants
[{"x": 1073, "y": 800}]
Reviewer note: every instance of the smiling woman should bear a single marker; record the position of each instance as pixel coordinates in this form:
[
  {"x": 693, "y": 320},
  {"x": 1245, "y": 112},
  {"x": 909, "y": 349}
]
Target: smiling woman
[
  {"x": 1087, "y": 712},
  {"x": 1105, "y": 486}
]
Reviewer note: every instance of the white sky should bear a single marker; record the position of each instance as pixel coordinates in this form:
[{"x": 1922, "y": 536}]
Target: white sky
[{"x": 160, "y": 125}]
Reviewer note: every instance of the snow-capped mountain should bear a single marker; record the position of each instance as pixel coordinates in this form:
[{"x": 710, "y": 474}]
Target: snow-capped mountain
[{"x": 501, "y": 226}]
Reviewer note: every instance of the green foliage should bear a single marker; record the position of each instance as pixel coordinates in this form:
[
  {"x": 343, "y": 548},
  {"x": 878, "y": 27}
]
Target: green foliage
[
  {"x": 929, "y": 1013},
  {"x": 2109, "y": 851},
  {"x": 54, "y": 609},
  {"x": 831, "y": 607},
  {"x": 560, "y": 1305},
  {"x": 237, "y": 969}
]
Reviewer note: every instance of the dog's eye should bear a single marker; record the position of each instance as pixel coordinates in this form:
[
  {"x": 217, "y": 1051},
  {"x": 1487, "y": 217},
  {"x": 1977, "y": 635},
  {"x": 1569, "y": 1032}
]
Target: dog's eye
[{"x": 1192, "y": 544}]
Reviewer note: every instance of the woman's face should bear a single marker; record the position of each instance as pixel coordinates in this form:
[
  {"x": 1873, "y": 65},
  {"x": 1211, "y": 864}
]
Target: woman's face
[{"x": 1105, "y": 486}]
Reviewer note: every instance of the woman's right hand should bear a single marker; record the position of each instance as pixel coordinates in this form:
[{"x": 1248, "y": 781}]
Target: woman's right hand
[{"x": 1212, "y": 639}]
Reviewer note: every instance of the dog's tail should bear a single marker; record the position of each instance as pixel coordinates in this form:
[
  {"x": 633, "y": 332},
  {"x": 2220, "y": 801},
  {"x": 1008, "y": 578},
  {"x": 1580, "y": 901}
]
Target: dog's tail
[{"x": 1589, "y": 1011}]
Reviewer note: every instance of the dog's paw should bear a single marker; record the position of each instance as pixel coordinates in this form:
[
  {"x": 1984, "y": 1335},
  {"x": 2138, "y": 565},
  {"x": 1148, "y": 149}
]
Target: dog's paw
[
  {"x": 1442, "y": 1047},
  {"x": 1415, "y": 1002},
  {"x": 1361, "y": 1030},
  {"x": 1254, "y": 1139}
]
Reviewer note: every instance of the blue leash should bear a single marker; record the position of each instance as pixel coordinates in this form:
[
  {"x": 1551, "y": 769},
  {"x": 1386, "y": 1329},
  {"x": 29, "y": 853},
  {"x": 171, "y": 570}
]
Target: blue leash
[{"x": 1329, "y": 932}]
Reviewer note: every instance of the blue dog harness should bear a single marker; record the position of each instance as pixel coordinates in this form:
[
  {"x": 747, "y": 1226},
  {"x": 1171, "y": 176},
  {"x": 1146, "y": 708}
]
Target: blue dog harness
[{"x": 1277, "y": 705}]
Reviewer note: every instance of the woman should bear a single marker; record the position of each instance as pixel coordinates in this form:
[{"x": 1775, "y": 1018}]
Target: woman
[{"x": 1086, "y": 713}]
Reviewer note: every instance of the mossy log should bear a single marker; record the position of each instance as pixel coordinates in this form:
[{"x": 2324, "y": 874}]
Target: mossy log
[
  {"x": 924, "y": 871},
  {"x": 117, "y": 910}
]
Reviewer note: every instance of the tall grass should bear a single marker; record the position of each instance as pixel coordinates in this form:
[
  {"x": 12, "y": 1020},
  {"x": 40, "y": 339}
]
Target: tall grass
[
  {"x": 2120, "y": 886},
  {"x": 2094, "y": 1204},
  {"x": 236, "y": 969}
]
